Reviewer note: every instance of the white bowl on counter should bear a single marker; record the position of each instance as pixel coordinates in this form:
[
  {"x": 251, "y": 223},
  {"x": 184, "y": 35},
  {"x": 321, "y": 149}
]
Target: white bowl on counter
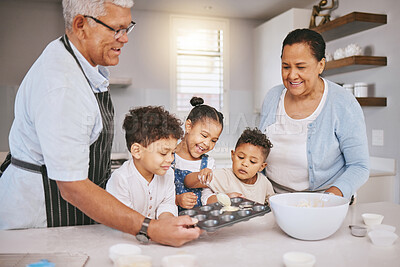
[
  {"x": 382, "y": 238},
  {"x": 298, "y": 259},
  {"x": 180, "y": 260},
  {"x": 134, "y": 261},
  {"x": 371, "y": 219},
  {"x": 122, "y": 249},
  {"x": 359, "y": 231},
  {"x": 309, "y": 216},
  {"x": 385, "y": 227}
]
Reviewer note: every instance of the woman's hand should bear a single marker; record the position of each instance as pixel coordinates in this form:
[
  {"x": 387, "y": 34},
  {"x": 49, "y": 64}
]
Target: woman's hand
[
  {"x": 186, "y": 200},
  {"x": 334, "y": 190},
  {"x": 205, "y": 176}
]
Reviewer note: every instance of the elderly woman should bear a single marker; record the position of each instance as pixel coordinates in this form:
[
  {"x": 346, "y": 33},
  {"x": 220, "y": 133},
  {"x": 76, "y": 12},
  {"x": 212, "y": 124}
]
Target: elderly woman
[{"x": 317, "y": 128}]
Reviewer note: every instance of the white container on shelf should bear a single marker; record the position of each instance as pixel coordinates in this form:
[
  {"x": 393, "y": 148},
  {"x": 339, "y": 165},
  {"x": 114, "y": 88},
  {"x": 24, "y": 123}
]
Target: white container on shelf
[
  {"x": 361, "y": 89},
  {"x": 328, "y": 57},
  {"x": 353, "y": 50},
  {"x": 349, "y": 87},
  {"x": 339, "y": 54}
]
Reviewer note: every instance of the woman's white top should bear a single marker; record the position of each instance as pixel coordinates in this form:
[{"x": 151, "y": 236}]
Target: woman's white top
[{"x": 287, "y": 161}]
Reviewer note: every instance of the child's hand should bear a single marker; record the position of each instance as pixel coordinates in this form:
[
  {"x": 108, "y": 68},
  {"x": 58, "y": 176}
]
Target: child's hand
[
  {"x": 234, "y": 194},
  {"x": 205, "y": 176},
  {"x": 186, "y": 200}
]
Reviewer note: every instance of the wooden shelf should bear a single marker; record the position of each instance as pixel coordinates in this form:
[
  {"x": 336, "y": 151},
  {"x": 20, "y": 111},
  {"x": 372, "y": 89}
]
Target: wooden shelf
[
  {"x": 350, "y": 24},
  {"x": 347, "y": 25},
  {"x": 372, "y": 101},
  {"x": 352, "y": 64}
]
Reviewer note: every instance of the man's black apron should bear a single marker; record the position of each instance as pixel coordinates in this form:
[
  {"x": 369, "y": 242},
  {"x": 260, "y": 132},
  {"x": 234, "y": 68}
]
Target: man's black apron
[{"x": 58, "y": 211}]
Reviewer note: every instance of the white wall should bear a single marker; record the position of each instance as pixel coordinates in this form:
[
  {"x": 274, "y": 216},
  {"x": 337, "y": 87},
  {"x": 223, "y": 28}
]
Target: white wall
[
  {"x": 145, "y": 59},
  {"x": 380, "y": 41},
  {"x": 25, "y": 29},
  {"x": 268, "y": 39}
]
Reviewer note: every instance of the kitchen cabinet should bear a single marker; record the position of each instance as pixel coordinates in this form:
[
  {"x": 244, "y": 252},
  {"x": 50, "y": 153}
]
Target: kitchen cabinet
[
  {"x": 268, "y": 38},
  {"x": 346, "y": 25},
  {"x": 381, "y": 184}
]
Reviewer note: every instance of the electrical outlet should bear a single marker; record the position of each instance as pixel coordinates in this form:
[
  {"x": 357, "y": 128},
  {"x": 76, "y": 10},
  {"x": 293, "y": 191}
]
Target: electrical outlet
[{"x": 377, "y": 138}]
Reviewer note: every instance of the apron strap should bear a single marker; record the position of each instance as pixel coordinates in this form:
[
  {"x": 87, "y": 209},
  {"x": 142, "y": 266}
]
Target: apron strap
[
  {"x": 288, "y": 189},
  {"x": 64, "y": 39},
  {"x": 5, "y": 164},
  {"x": 27, "y": 166}
]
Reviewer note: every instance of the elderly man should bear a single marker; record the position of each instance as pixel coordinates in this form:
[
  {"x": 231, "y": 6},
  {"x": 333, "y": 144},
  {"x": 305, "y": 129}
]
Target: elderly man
[{"x": 61, "y": 137}]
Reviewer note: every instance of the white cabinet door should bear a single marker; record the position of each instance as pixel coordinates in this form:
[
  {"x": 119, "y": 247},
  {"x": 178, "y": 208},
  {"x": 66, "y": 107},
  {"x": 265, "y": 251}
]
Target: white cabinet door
[{"x": 268, "y": 38}]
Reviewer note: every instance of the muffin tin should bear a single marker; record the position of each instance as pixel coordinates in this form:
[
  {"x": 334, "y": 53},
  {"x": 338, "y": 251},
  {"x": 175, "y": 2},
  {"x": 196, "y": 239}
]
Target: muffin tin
[{"x": 210, "y": 217}]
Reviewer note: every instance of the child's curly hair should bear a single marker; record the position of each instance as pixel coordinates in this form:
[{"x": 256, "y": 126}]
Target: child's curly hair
[
  {"x": 145, "y": 125},
  {"x": 256, "y": 138}
]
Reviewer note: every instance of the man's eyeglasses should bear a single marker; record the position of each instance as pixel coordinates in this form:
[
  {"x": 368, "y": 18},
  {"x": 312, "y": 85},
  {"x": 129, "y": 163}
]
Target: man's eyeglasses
[{"x": 117, "y": 33}]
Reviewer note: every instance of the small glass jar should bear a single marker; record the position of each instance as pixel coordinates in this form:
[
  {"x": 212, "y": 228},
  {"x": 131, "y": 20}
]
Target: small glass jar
[{"x": 361, "y": 89}]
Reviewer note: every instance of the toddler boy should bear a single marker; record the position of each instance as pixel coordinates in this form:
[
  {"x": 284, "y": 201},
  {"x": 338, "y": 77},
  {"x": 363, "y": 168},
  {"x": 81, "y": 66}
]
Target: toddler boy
[{"x": 244, "y": 178}]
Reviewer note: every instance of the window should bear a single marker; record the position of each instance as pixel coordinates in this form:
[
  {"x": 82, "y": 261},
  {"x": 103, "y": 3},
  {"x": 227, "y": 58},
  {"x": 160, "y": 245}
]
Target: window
[{"x": 199, "y": 62}]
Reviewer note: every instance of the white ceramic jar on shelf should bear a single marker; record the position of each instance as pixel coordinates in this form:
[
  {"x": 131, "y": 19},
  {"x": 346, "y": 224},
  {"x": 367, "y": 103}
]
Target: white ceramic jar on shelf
[
  {"x": 349, "y": 87},
  {"x": 361, "y": 89}
]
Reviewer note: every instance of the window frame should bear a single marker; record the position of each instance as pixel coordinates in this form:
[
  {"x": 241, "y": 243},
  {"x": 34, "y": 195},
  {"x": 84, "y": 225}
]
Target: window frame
[{"x": 204, "y": 22}]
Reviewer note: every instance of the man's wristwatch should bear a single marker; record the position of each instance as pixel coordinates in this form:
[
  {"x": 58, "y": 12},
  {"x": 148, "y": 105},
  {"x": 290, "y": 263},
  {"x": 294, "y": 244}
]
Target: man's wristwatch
[{"x": 142, "y": 236}]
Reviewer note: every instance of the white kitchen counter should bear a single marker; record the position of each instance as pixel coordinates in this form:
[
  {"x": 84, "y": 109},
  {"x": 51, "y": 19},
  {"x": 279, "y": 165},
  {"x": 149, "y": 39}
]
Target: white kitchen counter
[
  {"x": 382, "y": 166},
  {"x": 257, "y": 242},
  {"x": 381, "y": 185}
]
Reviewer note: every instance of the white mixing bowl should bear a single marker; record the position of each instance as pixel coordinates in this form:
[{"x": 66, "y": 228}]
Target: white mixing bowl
[{"x": 309, "y": 216}]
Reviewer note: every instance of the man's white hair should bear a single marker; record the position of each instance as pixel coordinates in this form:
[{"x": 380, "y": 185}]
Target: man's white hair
[{"x": 94, "y": 8}]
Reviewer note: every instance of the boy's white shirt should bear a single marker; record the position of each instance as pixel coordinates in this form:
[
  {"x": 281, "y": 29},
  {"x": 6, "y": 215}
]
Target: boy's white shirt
[
  {"x": 225, "y": 181},
  {"x": 149, "y": 199}
]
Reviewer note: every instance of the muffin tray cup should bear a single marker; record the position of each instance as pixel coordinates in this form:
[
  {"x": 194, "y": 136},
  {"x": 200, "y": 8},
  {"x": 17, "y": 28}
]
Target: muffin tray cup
[{"x": 211, "y": 218}]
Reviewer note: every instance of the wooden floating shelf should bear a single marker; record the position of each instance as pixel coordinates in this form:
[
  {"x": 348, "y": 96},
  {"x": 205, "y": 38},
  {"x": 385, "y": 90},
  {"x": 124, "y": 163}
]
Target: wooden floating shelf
[
  {"x": 352, "y": 64},
  {"x": 350, "y": 24},
  {"x": 372, "y": 101}
]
